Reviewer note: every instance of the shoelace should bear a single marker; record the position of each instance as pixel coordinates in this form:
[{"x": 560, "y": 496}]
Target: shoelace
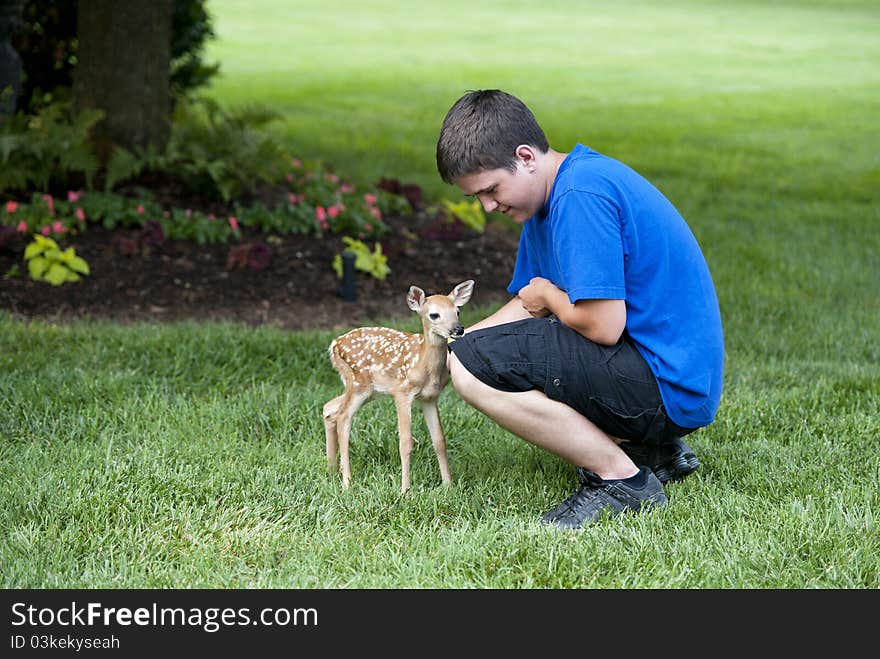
[{"x": 588, "y": 490}]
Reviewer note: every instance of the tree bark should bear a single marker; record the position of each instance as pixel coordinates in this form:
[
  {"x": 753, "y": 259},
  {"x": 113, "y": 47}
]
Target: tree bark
[{"x": 123, "y": 69}]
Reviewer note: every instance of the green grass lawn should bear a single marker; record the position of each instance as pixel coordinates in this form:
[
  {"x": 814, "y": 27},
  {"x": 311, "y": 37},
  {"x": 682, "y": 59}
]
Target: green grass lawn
[{"x": 193, "y": 455}]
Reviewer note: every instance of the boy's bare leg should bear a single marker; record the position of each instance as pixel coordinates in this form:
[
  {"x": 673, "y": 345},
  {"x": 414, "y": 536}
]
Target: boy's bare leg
[{"x": 547, "y": 423}]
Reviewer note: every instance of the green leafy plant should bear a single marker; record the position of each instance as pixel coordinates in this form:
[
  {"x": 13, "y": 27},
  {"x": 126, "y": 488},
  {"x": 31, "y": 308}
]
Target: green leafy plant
[
  {"x": 47, "y": 262},
  {"x": 214, "y": 152},
  {"x": 51, "y": 146},
  {"x": 470, "y": 213},
  {"x": 373, "y": 263}
]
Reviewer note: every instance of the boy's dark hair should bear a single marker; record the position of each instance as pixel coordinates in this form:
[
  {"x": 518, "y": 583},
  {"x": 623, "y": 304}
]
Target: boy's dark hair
[{"x": 482, "y": 130}]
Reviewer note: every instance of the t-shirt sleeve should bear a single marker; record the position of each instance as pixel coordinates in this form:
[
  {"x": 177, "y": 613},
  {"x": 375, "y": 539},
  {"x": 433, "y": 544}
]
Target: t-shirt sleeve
[{"x": 589, "y": 247}]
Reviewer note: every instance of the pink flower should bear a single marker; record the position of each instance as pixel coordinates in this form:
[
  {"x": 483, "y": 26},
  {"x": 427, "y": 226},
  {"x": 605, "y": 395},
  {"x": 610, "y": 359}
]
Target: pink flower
[
  {"x": 72, "y": 196},
  {"x": 333, "y": 211},
  {"x": 292, "y": 199},
  {"x": 297, "y": 163},
  {"x": 45, "y": 230},
  {"x": 301, "y": 198},
  {"x": 58, "y": 227},
  {"x": 289, "y": 178},
  {"x": 140, "y": 209},
  {"x": 331, "y": 178},
  {"x": 370, "y": 199},
  {"x": 22, "y": 227},
  {"x": 50, "y": 203},
  {"x": 375, "y": 212},
  {"x": 368, "y": 227},
  {"x": 11, "y": 206},
  {"x": 346, "y": 188},
  {"x": 321, "y": 214},
  {"x": 80, "y": 215},
  {"x": 323, "y": 224},
  {"x": 233, "y": 222}
]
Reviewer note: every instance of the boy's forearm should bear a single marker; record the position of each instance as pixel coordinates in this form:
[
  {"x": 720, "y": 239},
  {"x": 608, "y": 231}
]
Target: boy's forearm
[
  {"x": 601, "y": 321},
  {"x": 510, "y": 312}
]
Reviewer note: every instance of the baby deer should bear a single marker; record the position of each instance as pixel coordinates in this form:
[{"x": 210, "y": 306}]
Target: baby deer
[{"x": 379, "y": 360}]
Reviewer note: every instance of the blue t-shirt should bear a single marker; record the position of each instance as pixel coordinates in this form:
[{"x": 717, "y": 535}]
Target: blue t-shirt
[{"x": 607, "y": 233}]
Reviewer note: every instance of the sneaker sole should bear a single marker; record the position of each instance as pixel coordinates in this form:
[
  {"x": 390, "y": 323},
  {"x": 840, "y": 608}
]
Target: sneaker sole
[{"x": 676, "y": 468}]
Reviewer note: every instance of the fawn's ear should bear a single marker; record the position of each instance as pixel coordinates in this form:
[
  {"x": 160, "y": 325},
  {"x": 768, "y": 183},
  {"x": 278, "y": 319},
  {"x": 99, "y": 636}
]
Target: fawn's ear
[
  {"x": 415, "y": 298},
  {"x": 462, "y": 293}
]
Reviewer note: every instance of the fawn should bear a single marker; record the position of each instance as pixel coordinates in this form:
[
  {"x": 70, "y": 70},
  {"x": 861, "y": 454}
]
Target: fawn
[{"x": 379, "y": 360}]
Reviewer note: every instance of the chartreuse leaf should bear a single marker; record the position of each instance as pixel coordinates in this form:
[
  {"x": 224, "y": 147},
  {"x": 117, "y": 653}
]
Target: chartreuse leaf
[
  {"x": 47, "y": 262},
  {"x": 37, "y": 266},
  {"x": 33, "y": 250},
  {"x": 79, "y": 264},
  {"x": 56, "y": 275}
]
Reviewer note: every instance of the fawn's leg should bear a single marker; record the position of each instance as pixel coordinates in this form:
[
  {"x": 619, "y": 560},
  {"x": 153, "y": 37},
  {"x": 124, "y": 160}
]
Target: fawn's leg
[
  {"x": 432, "y": 419},
  {"x": 331, "y": 408},
  {"x": 404, "y": 429},
  {"x": 344, "y": 417}
]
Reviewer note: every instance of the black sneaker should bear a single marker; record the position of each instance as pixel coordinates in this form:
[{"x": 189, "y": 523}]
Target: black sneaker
[
  {"x": 596, "y": 497},
  {"x": 670, "y": 461}
]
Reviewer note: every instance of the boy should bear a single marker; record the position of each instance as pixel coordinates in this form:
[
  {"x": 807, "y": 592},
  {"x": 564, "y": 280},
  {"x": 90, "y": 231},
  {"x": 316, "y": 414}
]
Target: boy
[{"x": 612, "y": 349}]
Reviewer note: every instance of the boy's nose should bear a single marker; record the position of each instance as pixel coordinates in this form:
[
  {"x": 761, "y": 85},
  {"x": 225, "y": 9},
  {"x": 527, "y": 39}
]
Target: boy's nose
[{"x": 489, "y": 204}]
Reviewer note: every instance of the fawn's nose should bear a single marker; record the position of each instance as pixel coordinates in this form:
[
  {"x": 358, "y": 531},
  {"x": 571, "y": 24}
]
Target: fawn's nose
[{"x": 458, "y": 329}]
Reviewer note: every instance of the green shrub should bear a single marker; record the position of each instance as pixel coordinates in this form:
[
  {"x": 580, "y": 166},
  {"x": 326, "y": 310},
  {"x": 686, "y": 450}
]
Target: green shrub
[
  {"x": 46, "y": 262},
  {"x": 214, "y": 153},
  {"x": 373, "y": 263},
  {"x": 51, "y": 147},
  {"x": 470, "y": 213}
]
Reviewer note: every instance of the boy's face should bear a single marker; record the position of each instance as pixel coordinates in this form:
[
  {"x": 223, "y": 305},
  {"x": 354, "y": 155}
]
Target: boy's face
[{"x": 519, "y": 194}]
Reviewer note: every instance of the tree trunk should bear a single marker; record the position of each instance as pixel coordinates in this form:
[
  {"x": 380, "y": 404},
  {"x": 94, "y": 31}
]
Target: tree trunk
[{"x": 123, "y": 69}]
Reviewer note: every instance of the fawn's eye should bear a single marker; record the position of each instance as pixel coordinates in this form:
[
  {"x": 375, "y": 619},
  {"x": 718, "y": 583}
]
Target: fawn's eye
[{"x": 434, "y": 316}]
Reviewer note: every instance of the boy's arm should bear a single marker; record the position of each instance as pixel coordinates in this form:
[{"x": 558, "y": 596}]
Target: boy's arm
[
  {"x": 511, "y": 311},
  {"x": 601, "y": 321}
]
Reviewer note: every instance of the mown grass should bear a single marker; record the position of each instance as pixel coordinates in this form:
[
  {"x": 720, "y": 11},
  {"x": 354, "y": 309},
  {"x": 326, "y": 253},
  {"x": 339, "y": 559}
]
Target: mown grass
[{"x": 192, "y": 455}]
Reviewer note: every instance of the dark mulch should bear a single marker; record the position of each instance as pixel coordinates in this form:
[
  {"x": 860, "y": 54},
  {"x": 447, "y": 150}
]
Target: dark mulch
[{"x": 134, "y": 280}]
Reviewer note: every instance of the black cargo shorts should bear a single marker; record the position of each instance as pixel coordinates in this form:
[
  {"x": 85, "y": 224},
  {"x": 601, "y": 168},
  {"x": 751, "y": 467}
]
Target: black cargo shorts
[{"x": 610, "y": 385}]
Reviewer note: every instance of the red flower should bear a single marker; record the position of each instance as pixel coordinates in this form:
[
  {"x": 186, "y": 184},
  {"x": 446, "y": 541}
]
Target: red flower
[
  {"x": 80, "y": 215},
  {"x": 22, "y": 227},
  {"x": 11, "y": 206},
  {"x": 50, "y": 203},
  {"x": 370, "y": 199},
  {"x": 233, "y": 222},
  {"x": 58, "y": 227},
  {"x": 72, "y": 196},
  {"x": 320, "y": 213},
  {"x": 333, "y": 211}
]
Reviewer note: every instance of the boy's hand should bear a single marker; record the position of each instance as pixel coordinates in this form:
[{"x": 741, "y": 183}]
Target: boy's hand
[{"x": 536, "y": 294}]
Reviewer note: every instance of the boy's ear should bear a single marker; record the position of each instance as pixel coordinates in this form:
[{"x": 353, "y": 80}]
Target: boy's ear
[{"x": 525, "y": 153}]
